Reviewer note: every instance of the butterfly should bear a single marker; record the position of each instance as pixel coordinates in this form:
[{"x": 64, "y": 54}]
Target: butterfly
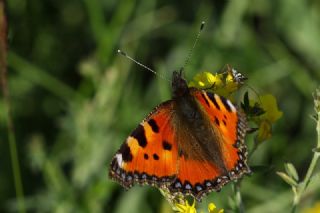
[{"x": 192, "y": 144}]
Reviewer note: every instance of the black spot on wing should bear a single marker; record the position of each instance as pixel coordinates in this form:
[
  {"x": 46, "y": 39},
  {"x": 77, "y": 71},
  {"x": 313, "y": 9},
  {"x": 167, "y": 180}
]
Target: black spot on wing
[
  {"x": 155, "y": 156},
  {"x": 214, "y": 101},
  {"x": 126, "y": 153},
  {"x": 205, "y": 99},
  {"x": 225, "y": 103},
  {"x": 166, "y": 145},
  {"x": 154, "y": 125},
  {"x": 146, "y": 156},
  {"x": 216, "y": 120},
  {"x": 224, "y": 122},
  {"x": 140, "y": 136}
]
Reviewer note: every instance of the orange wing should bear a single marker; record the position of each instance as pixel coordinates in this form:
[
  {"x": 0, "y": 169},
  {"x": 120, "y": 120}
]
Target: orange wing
[
  {"x": 149, "y": 154},
  {"x": 231, "y": 124},
  {"x": 197, "y": 175}
]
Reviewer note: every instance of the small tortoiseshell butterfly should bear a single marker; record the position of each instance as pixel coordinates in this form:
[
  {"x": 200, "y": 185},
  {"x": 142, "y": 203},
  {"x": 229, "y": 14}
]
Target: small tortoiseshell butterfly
[{"x": 192, "y": 144}]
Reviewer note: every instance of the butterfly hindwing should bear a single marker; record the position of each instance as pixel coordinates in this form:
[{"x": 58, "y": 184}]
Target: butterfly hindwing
[{"x": 149, "y": 154}]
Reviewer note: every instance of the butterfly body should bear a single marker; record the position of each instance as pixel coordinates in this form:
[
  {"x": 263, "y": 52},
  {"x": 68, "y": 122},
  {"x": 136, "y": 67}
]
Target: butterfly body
[{"x": 192, "y": 144}]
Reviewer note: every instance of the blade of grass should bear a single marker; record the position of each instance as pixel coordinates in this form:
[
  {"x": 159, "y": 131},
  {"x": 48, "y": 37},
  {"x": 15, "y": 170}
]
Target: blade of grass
[
  {"x": 40, "y": 77},
  {"x": 106, "y": 33},
  {"x": 11, "y": 134}
]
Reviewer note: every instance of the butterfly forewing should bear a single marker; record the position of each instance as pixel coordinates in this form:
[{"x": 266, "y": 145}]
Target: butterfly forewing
[
  {"x": 149, "y": 154},
  {"x": 232, "y": 126}
]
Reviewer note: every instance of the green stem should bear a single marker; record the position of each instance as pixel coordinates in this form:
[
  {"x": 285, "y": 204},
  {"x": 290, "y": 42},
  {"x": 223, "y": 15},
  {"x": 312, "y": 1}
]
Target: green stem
[
  {"x": 236, "y": 185},
  {"x": 6, "y": 100},
  {"x": 238, "y": 197},
  {"x": 304, "y": 184},
  {"x": 15, "y": 163},
  {"x": 172, "y": 199}
]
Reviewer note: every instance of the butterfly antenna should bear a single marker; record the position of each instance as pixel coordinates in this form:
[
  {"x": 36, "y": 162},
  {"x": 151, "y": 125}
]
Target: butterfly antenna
[
  {"x": 194, "y": 45},
  {"x": 141, "y": 65}
]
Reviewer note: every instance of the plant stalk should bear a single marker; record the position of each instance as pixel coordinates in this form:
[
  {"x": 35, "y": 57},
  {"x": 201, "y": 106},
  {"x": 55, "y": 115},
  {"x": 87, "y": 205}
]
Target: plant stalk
[
  {"x": 238, "y": 197},
  {"x": 304, "y": 184},
  {"x": 6, "y": 100}
]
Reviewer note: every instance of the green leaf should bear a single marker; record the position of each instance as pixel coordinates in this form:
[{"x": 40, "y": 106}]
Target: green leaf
[
  {"x": 287, "y": 179},
  {"x": 291, "y": 171},
  {"x": 252, "y": 130},
  {"x": 254, "y": 110}
]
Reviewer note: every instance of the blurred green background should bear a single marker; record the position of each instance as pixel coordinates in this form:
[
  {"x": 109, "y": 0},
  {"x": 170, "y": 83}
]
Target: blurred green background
[{"x": 74, "y": 99}]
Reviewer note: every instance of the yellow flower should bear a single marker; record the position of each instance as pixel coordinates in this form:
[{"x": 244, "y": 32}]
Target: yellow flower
[
  {"x": 186, "y": 208},
  {"x": 269, "y": 105},
  {"x": 212, "y": 207},
  {"x": 206, "y": 80},
  {"x": 271, "y": 114},
  {"x": 314, "y": 209},
  {"x": 223, "y": 84},
  {"x": 231, "y": 84}
]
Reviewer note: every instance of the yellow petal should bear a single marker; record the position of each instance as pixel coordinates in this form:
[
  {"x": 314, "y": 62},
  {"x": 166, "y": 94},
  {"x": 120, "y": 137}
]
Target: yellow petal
[
  {"x": 205, "y": 80},
  {"x": 269, "y": 104},
  {"x": 231, "y": 84},
  {"x": 181, "y": 207},
  {"x": 218, "y": 80},
  {"x": 314, "y": 209},
  {"x": 186, "y": 208},
  {"x": 211, "y": 207},
  {"x": 264, "y": 132}
]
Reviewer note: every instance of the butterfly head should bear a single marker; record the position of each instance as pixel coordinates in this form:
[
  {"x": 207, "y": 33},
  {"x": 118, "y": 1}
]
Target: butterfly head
[{"x": 179, "y": 85}]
